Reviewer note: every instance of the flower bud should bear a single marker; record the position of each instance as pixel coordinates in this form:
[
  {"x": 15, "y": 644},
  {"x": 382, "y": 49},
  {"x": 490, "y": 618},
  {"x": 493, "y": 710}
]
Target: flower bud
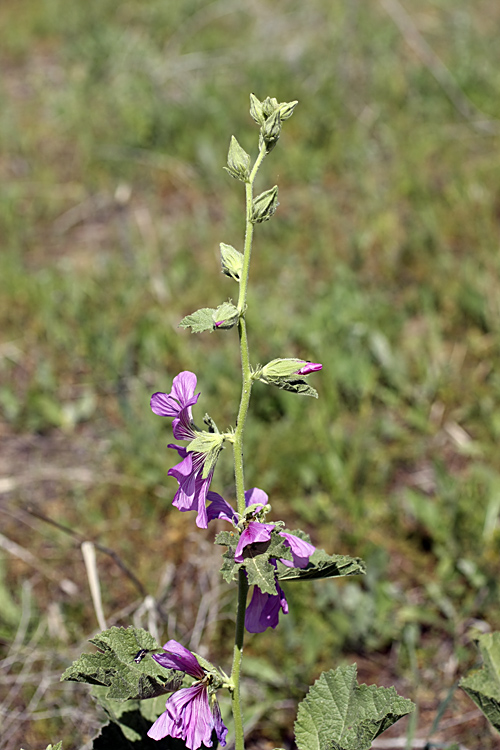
[
  {"x": 264, "y": 205},
  {"x": 256, "y": 110},
  {"x": 238, "y": 161},
  {"x": 286, "y": 109},
  {"x": 284, "y": 368},
  {"x": 269, "y": 105},
  {"x": 270, "y": 131},
  {"x": 231, "y": 261},
  {"x": 226, "y": 315}
]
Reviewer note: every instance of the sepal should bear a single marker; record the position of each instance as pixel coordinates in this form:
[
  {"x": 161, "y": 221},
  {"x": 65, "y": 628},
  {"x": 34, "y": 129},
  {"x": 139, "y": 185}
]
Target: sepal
[
  {"x": 210, "y": 445},
  {"x": 264, "y": 205},
  {"x": 231, "y": 261},
  {"x": 238, "y": 161},
  {"x": 339, "y": 714}
]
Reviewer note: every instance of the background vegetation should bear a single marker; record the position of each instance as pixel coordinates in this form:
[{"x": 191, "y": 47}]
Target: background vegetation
[{"x": 382, "y": 262}]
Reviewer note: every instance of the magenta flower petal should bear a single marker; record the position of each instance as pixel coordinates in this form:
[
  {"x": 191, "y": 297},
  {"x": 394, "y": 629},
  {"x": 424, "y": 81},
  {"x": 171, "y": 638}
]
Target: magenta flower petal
[
  {"x": 309, "y": 367},
  {"x": 220, "y": 508},
  {"x": 255, "y": 532},
  {"x": 263, "y": 610},
  {"x": 179, "y": 657},
  {"x": 181, "y": 396},
  {"x": 188, "y": 715},
  {"x": 301, "y": 551},
  {"x": 255, "y": 496}
]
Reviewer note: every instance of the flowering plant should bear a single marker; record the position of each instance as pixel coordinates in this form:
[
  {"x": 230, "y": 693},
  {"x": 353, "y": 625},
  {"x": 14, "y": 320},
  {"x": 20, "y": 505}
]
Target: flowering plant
[{"x": 260, "y": 552}]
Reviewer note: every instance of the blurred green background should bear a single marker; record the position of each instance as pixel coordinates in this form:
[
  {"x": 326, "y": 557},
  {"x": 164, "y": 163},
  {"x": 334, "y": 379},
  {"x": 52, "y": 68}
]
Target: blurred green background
[{"x": 382, "y": 263}]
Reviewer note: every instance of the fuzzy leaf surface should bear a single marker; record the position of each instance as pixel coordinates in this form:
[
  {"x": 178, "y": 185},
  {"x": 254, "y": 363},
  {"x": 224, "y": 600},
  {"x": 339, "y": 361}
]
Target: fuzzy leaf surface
[
  {"x": 339, "y": 714},
  {"x": 123, "y": 664},
  {"x": 199, "y": 321},
  {"x": 322, "y": 565},
  {"x": 483, "y": 685},
  {"x": 293, "y": 384}
]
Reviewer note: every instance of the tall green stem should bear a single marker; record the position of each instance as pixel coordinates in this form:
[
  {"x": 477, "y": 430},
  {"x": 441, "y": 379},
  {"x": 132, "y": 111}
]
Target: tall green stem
[{"x": 238, "y": 450}]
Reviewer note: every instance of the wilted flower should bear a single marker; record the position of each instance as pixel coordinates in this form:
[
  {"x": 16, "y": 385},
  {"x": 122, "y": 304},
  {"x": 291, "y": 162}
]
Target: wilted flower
[
  {"x": 191, "y": 473},
  {"x": 191, "y": 714},
  {"x": 263, "y": 610}
]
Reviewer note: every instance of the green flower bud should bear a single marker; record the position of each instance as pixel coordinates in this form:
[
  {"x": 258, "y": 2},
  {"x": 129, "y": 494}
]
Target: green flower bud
[
  {"x": 286, "y": 110},
  {"x": 264, "y": 205},
  {"x": 270, "y": 131},
  {"x": 256, "y": 110},
  {"x": 226, "y": 316},
  {"x": 269, "y": 105},
  {"x": 238, "y": 161},
  {"x": 281, "y": 368},
  {"x": 231, "y": 261}
]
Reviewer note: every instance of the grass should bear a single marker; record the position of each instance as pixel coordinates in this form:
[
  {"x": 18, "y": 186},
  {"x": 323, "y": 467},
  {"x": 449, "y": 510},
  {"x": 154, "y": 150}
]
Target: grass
[{"x": 382, "y": 262}]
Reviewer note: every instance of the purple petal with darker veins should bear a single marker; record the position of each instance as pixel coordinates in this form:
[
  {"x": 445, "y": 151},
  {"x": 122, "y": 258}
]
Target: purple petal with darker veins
[
  {"x": 219, "y": 726},
  {"x": 183, "y": 388},
  {"x": 301, "y": 550},
  {"x": 187, "y": 717},
  {"x": 182, "y": 426},
  {"x": 263, "y": 610},
  {"x": 164, "y": 405},
  {"x": 220, "y": 508},
  {"x": 255, "y": 532},
  {"x": 254, "y": 496},
  {"x": 180, "y": 658}
]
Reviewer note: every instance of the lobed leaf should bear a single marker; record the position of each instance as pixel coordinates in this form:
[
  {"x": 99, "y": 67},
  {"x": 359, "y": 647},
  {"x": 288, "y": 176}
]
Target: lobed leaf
[
  {"x": 483, "y": 685},
  {"x": 322, "y": 565},
  {"x": 199, "y": 321},
  {"x": 123, "y": 664},
  {"x": 339, "y": 714}
]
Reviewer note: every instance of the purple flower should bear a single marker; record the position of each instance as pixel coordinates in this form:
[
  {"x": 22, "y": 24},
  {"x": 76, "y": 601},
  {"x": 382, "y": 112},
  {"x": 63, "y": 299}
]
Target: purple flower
[
  {"x": 188, "y": 715},
  {"x": 254, "y": 532},
  {"x": 264, "y": 609},
  {"x": 193, "y": 486}
]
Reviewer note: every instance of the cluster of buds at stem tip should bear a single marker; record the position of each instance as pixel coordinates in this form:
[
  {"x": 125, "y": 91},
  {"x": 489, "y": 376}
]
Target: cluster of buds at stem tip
[{"x": 269, "y": 114}]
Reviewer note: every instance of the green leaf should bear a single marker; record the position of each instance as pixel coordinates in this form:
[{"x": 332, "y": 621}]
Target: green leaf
[
  {"x": 339, "y": 714},
  {"x": 124, "y": 665},
  {"x": 199, "y": 321},
  {"x": 293, "y": 384},
  {"x": 483, "y": 685},
  {"x": 322, "y": 565},
  {"x": 261, "y": 573}
]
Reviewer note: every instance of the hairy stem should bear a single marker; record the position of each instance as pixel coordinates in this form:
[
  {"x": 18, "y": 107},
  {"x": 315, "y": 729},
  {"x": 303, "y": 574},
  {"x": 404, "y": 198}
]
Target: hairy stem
[{"x": 246, "y": 389}]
